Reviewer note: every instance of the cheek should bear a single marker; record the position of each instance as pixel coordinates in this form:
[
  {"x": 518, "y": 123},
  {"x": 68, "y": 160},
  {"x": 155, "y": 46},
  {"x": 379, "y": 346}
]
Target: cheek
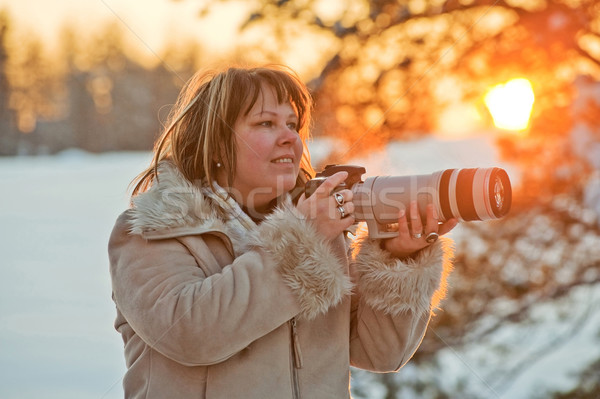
[
  {"x": 259, "y": 146},
  {"x": 299, "y": 148},
  {"x": 249, "y": 150}
]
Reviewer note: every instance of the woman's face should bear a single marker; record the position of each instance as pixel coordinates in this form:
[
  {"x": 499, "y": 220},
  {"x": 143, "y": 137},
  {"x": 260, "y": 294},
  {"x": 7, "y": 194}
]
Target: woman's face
[{"x": 269, "y": 150}]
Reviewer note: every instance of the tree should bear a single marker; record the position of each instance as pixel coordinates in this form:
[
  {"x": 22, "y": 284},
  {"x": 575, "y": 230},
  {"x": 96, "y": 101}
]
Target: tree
[
  {"x": 390, "y": 67},
  {"x": 7, "y": 128},
  {"x": 91, "y": 95}
]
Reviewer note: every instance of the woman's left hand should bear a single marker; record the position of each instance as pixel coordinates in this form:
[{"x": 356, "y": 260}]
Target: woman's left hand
[{"x": 414, "y": 238}]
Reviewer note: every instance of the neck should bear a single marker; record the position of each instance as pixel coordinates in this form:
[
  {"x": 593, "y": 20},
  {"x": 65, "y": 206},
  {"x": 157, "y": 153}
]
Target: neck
[{"x": 258, "y": 214}]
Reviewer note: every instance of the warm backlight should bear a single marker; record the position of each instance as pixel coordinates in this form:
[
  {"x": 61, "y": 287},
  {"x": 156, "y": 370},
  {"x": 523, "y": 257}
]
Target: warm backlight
[{"x": 510, "y": 104}]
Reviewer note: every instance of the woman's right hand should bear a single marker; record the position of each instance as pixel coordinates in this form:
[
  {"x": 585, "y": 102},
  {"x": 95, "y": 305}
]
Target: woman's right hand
[{"x": 323, "y": 210}]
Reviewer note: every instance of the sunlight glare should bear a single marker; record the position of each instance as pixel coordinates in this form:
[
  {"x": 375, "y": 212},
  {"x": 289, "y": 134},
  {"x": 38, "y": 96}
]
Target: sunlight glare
[{"x": 510, "y": 104}]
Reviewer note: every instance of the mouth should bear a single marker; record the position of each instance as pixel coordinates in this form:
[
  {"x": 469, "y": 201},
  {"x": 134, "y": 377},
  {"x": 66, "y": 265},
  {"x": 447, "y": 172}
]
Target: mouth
[{"x": 283, "y": 160}]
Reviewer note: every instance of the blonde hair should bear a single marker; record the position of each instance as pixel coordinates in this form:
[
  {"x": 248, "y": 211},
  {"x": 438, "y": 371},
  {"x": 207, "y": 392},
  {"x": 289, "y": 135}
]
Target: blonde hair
[{"x": 200, "y": 132}]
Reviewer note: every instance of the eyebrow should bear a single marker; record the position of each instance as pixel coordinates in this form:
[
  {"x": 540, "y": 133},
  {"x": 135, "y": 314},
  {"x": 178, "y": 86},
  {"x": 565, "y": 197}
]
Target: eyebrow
[{"x": 261, "y": 112}]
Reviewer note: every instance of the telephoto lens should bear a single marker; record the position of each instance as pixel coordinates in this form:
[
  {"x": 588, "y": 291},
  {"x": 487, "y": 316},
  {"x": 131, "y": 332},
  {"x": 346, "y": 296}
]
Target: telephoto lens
[{"x": 464, "y": 194}]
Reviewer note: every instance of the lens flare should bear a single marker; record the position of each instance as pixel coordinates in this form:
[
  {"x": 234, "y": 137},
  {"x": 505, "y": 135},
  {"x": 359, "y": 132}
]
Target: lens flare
[{"x": 510, "y": 104}]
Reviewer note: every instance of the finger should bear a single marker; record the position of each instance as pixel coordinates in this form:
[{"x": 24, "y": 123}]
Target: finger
[
  {"x": 340, "y": 212},
  {"x": 344, "y": 210},
  {"x": 447, "y": 226},
  {"x": 416, "y": 226},
  {"x": 349, "y": 207},
  {"x": 343, "y": 196},
  {"x": 347, "y": 194},
  {"x": 432, "y": 220},
  {"x": 331, "y": 183},
  {"x": 348, "y": 221},
  {"x": 403, "y": 224}
]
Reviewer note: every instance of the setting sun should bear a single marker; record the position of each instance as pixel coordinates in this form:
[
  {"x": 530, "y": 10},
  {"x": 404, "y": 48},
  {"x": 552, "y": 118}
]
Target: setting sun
[{"x": 510, "y": 104}]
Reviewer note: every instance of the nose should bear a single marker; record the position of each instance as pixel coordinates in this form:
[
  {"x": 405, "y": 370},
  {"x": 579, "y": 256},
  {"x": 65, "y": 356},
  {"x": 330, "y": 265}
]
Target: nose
[{"x": 287, "y": 136}]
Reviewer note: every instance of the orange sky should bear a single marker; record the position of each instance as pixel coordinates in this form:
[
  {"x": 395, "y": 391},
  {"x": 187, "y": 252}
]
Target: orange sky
[{"x": 149, "y": 24}]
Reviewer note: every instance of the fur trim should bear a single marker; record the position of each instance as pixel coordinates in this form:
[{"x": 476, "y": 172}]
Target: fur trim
[
  {"x": 306, "y": 261},
  {"x": 396, "y": 286},
  {"x": 171, "y": 202},
  {"x": 174, "y": 202}
]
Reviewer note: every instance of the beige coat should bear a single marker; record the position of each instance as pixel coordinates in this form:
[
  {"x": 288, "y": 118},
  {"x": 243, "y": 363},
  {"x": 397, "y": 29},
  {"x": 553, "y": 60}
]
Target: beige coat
[{"x": 210, "y": 305}]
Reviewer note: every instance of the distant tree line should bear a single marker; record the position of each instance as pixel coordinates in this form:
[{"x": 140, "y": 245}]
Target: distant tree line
[{"x": 91, "y": 95}]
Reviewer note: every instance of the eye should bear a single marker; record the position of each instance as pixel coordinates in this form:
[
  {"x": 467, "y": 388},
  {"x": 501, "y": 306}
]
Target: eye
[
  {"x": 265, "y": 123},
  {"x": 293, "y": 126}
]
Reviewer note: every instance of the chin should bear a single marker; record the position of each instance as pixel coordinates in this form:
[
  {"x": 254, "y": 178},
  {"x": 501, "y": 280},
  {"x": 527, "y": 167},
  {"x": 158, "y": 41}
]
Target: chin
[{"x": 285, "y": 184}]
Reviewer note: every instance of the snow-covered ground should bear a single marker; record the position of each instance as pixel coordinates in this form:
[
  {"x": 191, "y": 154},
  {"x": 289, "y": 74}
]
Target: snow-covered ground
[
  {"x": 56, "y": 313},
  {"x": 530, "y": 359}
]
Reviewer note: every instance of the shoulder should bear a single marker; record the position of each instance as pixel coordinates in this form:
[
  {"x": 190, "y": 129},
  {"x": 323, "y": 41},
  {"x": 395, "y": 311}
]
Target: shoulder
[
  {"x": 171, "y": 202},
  {"x": 122, "y": 226},
  {"x": 121, "y": 235}
]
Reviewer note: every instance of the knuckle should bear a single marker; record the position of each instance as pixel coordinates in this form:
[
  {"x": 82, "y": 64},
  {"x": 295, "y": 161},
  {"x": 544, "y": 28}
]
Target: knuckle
[
  {"x": 322, "y": 190},
  {"x": 329, "y": 182},
  {"x": 328, "y": 186}
]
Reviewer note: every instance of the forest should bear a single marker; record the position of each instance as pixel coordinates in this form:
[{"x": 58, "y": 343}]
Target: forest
[{"x": 92, "y": 95}]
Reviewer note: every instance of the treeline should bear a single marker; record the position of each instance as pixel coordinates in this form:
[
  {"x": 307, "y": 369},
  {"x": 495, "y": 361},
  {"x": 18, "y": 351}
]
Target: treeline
[{"x": 89, "y": 94}]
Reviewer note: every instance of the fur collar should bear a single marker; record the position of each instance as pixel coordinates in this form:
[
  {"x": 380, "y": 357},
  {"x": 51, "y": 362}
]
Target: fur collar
[{"x": 174, "y": 206}]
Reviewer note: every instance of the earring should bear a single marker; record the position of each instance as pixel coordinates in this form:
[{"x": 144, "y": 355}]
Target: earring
[{"x": 218, "y": 164}]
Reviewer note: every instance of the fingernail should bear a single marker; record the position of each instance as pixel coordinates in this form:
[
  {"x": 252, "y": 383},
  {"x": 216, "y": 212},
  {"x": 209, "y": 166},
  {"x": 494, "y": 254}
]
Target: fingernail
[{"x": 401, "y": 213}]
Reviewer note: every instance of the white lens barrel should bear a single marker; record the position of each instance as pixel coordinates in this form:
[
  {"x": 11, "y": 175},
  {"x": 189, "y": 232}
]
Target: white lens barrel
[{"x": 465, "y": 194}]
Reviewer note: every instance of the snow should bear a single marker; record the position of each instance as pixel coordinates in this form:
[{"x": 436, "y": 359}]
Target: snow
[
  {"x": 542, "y": 356},
  {"x": 56, "y": 313}
]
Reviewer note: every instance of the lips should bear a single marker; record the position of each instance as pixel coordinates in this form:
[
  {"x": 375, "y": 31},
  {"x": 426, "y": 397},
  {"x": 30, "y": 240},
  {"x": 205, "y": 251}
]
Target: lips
[{"x": 284, "y": 159}]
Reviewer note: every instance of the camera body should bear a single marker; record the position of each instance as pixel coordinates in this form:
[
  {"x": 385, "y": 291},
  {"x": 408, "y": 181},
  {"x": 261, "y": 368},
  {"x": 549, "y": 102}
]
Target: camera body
[{"x": 465, "y": 194}]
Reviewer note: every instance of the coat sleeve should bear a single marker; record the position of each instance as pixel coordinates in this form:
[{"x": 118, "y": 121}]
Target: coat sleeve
[
  {"x": 393, "y": 302},
  {"x": 200, "y": 319}
]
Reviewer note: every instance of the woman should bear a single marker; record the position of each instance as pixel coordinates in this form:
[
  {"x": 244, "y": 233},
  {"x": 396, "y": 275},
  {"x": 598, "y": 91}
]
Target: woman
[{"x": 227, "y": 287}]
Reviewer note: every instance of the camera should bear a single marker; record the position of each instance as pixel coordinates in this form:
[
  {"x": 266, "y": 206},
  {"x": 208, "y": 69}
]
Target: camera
[{"x": 465, "y": 194}]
